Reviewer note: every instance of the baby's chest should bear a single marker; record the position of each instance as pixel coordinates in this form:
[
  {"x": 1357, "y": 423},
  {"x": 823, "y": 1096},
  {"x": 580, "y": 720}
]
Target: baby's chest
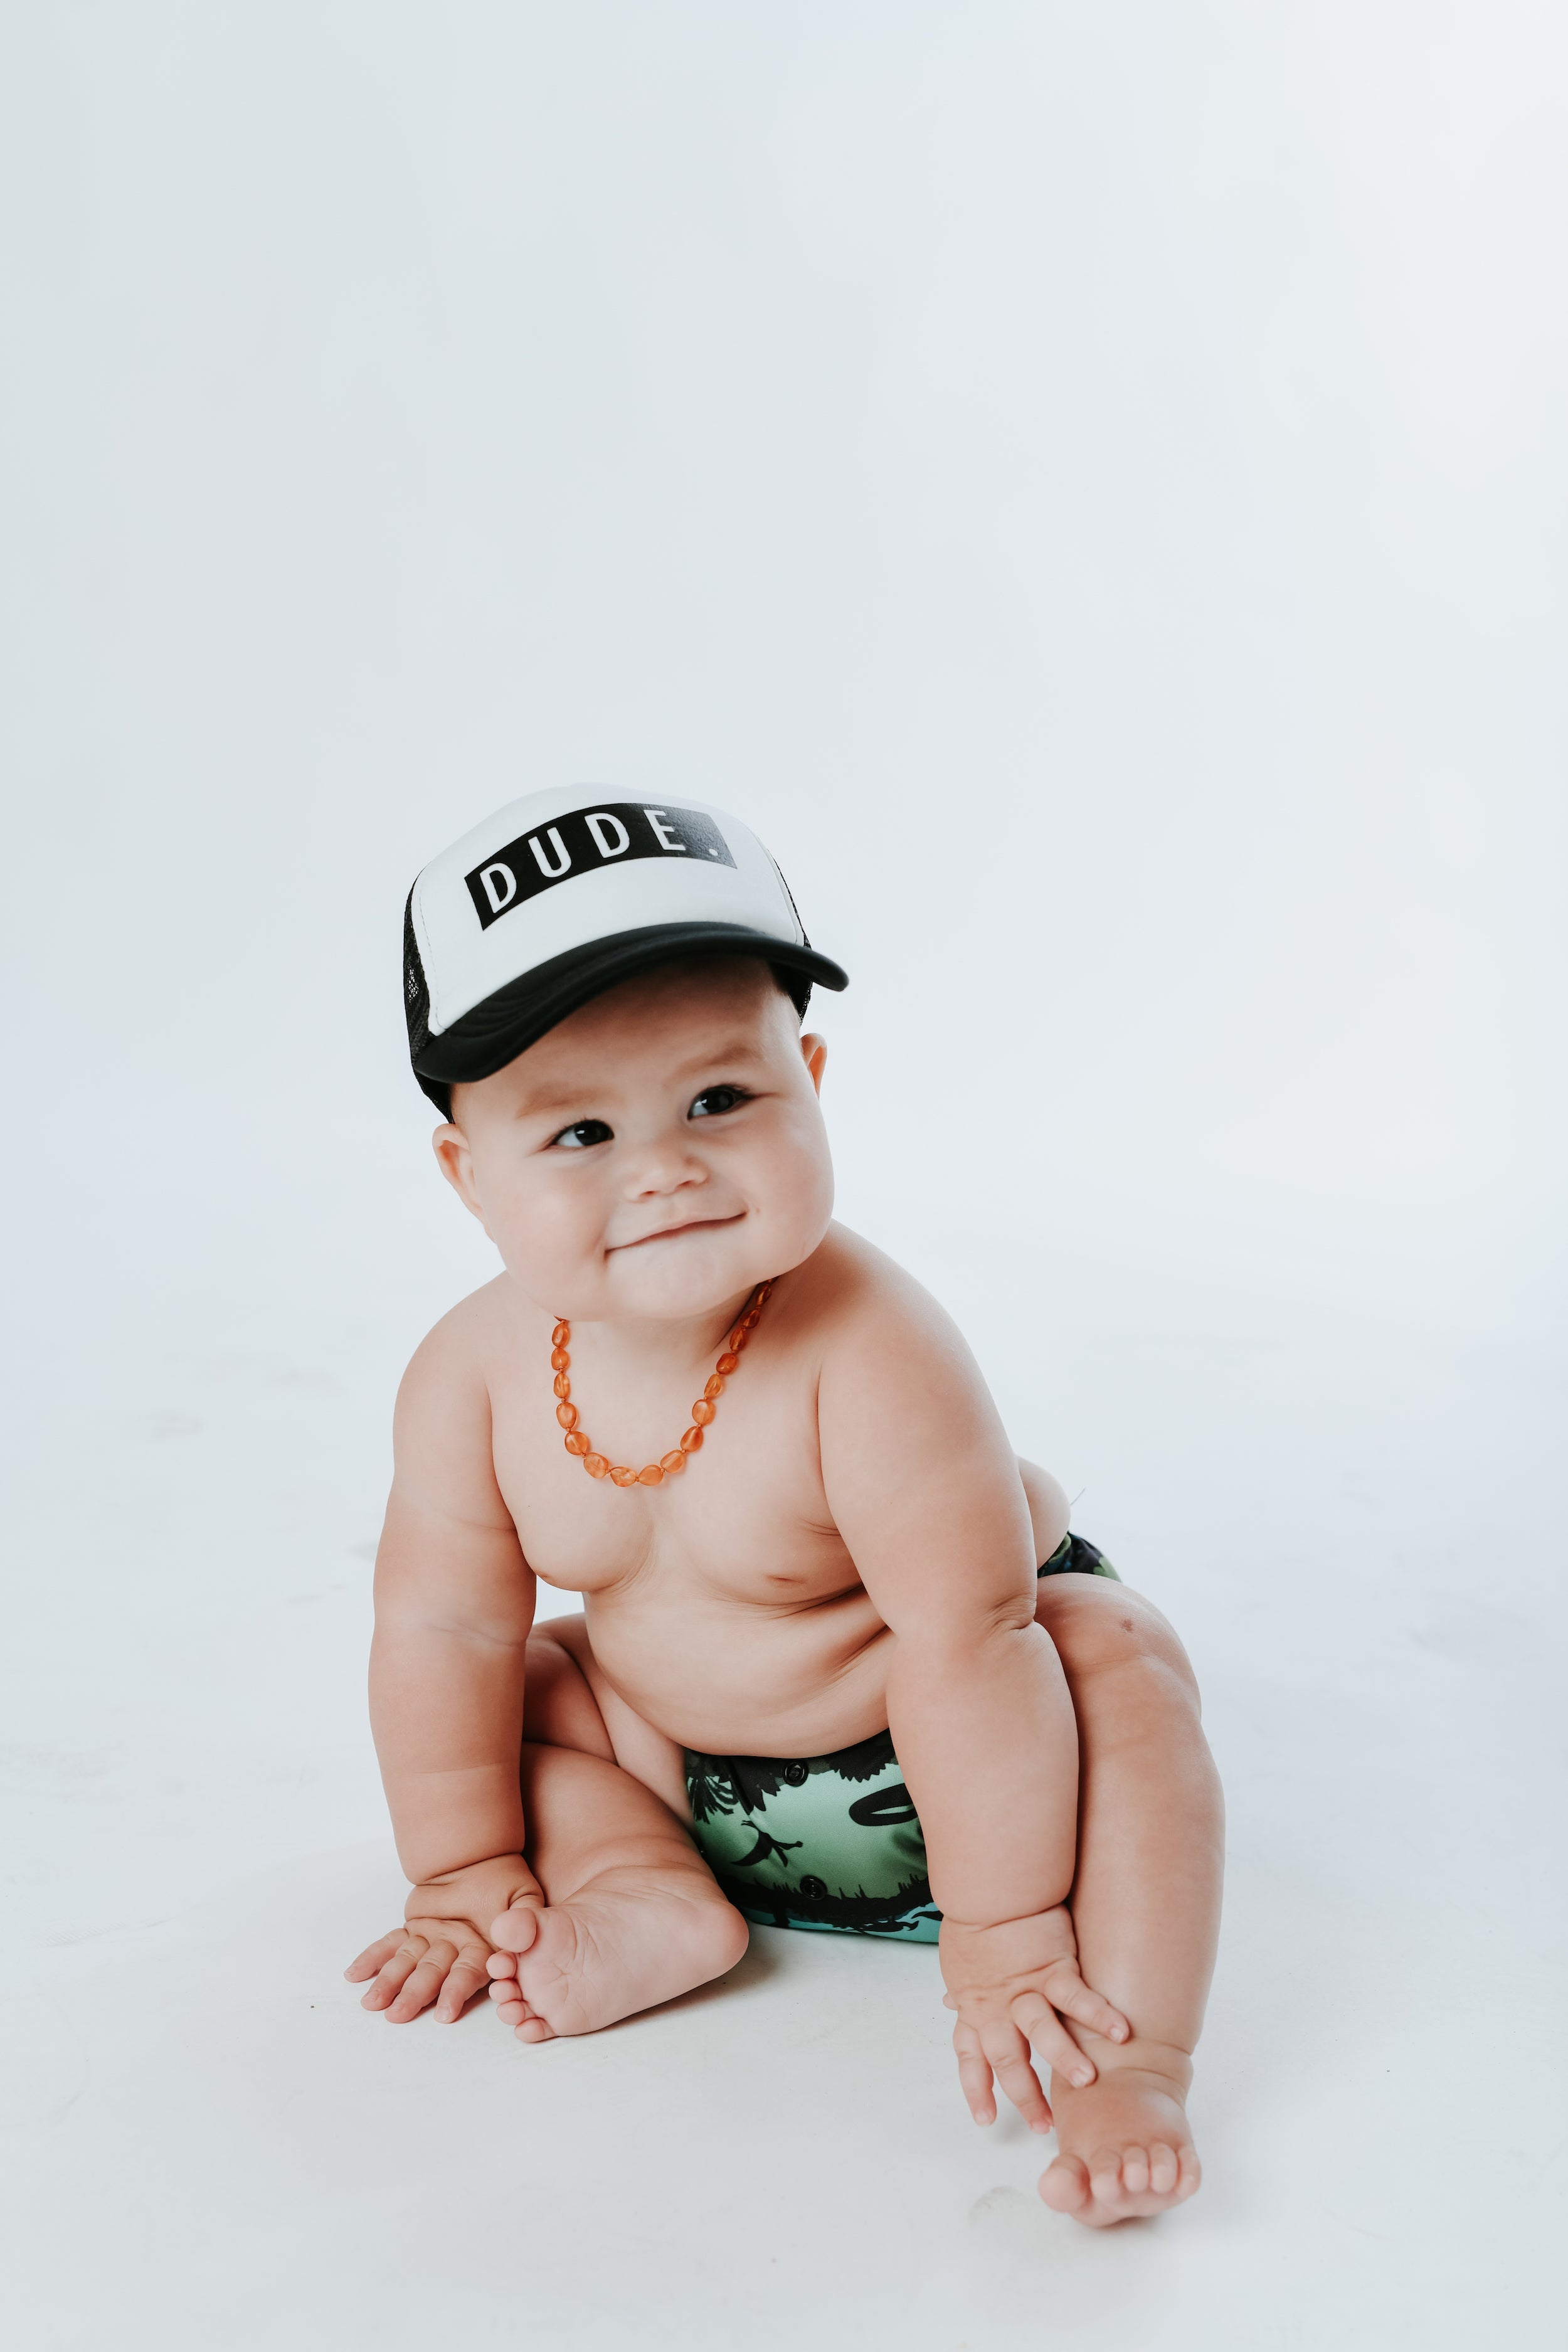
[
  {"x": 746, "y": 1515},
  {"x": 743, "y": 1523}
]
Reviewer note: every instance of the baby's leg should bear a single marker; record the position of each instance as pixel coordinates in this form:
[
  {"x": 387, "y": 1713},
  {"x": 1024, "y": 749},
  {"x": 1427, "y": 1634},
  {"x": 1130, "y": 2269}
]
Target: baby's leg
[
  {"x": 1146, "y": 1900},
  {"x": 632, "y": 1916}
]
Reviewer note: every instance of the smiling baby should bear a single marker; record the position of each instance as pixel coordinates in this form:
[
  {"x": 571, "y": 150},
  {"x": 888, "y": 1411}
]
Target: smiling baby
[{"x": 840, "y": 1664}]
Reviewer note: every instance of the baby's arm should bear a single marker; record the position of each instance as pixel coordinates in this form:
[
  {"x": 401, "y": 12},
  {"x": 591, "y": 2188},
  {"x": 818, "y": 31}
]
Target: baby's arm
[
  {"x": 454, "y": 1605},
  {"x": 926, "y": 1492}
]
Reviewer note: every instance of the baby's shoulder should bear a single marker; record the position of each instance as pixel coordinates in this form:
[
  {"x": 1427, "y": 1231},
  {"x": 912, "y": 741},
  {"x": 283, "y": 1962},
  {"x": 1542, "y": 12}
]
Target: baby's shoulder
[
  {"x": 448, "y": 1371},
  {"x": 855, "y": 1297},
  {"x": 442, "y": 1423},
  {"x": 896, "y": 1390}
]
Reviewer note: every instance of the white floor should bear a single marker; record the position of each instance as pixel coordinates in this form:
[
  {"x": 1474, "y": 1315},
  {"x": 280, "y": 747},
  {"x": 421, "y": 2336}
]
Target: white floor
[{"x": 1346, "y": 1510}]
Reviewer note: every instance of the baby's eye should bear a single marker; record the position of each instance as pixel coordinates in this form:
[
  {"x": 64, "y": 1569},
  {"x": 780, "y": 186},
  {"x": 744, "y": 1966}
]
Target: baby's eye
[
  {"x": 713, "y": 1101},
  {"x": 585, "y": 1132}
]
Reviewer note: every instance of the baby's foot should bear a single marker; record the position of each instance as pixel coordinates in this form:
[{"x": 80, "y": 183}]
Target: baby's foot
[
  {"x": 1125, "y": 2146},
  {"x": 625, "y": 1941}
]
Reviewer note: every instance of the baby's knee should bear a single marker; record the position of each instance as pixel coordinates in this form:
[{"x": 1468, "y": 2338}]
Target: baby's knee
[
  {"x": 1048, "y": 1507},
  {"x": 1099, "y": 1627}
]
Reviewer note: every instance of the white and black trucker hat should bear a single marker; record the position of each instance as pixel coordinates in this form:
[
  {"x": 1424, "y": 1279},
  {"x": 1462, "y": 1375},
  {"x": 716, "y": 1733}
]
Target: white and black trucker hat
[{"x": 557, "y": 897}]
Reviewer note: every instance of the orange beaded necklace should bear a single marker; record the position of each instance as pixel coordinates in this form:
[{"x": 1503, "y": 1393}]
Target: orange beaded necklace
[{"x": 652, "y": 1473}]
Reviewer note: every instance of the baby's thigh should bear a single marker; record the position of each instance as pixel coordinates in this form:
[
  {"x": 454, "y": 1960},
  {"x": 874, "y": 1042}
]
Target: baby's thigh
[{"x": 569, "y": 1704}]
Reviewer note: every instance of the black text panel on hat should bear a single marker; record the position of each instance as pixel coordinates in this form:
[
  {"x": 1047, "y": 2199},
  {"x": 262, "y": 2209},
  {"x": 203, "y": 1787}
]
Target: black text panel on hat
[{"x": 559, "y": 895}]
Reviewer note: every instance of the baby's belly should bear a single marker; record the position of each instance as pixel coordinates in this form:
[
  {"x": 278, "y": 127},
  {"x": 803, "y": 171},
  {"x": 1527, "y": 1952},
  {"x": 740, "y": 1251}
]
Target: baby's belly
[{"x": 731, "y": 1680}]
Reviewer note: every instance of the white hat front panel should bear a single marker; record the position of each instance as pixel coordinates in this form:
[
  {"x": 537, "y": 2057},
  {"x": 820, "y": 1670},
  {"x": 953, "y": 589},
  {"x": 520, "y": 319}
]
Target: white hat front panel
[{"x": 560, "y": 869}]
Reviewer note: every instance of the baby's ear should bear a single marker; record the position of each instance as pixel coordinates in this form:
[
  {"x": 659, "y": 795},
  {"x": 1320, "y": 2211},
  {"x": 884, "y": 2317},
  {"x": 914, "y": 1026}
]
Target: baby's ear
[
  {"x": 450, "y": 1146},
  {"x": 815, "y": 1050}
]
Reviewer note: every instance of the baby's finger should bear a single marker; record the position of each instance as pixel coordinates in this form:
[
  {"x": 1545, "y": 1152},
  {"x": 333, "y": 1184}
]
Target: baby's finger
[
  {"x": 424, "y": 1985},
  {"x": 1033, "y": 2015},
  {"x": 1017, "y": 2079},
  {"x": 1086, "y": 2007},
  {"x": 395, "y": 1972},
  {"x": 463, "y": 1978},
  {"x": 974, "y": 2073},
  {"x": 374, "y": 1958}
]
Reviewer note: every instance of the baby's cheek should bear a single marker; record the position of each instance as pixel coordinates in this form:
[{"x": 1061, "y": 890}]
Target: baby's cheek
[
  {"x": 550, "y": 1239},
  {"x": 794, "y": 1192}
]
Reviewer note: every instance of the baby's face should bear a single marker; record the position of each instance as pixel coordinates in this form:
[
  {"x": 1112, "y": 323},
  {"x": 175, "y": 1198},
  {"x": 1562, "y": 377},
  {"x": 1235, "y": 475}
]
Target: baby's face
[{"x": 658, "y": 1153}]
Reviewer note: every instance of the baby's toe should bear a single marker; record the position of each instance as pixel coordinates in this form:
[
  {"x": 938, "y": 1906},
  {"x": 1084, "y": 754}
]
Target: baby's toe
[
  {"x": 1164, "y": 2170},
  {"x": 515, "y": 1930},
  {"x": 1105, "y": 2175},
  {"x": 533, "y": 2029},
  {"x": 1064, "y": 2185}
]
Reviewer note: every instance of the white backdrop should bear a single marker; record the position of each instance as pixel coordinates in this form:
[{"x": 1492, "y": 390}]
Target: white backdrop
[{"x": 1087, "y": 483}]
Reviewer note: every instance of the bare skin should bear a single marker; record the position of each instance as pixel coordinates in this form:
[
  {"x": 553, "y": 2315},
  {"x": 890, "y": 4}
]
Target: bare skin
[{"x": 854, "y": 1548}]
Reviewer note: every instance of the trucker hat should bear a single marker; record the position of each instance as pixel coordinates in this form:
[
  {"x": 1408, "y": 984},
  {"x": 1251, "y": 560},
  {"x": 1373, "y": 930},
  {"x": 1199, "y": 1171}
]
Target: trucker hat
[{"x": 559, "y": 895}]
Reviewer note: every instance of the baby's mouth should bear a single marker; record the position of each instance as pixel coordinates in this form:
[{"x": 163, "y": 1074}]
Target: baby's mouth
[{"x": 672, "y": 1232}]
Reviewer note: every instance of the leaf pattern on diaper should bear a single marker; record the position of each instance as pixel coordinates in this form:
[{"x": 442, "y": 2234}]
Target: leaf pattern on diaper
[{"x": 708, "y": 1787}]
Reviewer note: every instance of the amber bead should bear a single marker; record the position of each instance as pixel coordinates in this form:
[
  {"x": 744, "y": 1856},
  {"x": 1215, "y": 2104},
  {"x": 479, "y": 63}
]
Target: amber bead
[{"x": 668, "y": 1465}]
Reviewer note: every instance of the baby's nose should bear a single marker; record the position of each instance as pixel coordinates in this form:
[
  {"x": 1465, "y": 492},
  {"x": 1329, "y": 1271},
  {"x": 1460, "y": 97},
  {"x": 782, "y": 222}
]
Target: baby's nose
[{"x": 665, "y": 1168}]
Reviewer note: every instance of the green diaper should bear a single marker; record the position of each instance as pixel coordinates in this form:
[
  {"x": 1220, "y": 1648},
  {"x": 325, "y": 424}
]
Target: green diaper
[{"x": 828, "y": 1841}]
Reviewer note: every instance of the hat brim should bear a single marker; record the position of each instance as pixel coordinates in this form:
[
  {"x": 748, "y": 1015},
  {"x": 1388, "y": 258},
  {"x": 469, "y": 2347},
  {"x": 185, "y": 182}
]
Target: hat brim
[{"x": 516, "y": 1016}]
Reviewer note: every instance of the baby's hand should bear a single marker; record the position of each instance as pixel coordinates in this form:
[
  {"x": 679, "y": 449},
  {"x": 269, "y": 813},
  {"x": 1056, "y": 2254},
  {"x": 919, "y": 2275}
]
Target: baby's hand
[
  {"x": 1007, "y": 1984},
  {"x": 439, "y": 1954}
]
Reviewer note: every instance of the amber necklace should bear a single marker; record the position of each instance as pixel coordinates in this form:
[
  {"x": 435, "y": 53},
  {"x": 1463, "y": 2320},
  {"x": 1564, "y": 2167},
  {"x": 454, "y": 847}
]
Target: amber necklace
[{"x": 652, "y": 1473}]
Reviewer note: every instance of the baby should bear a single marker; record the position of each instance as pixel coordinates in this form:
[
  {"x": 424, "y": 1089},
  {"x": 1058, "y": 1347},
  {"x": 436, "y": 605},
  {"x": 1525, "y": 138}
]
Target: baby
[{"x": 840, "y": 1664}]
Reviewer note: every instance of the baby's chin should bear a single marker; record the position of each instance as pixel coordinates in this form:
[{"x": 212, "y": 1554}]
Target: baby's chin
[
  {"x": 700, "y": 1271},
  {"x": 689, "y": 1273}
]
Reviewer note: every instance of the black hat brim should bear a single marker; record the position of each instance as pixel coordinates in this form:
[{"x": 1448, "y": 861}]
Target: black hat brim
[{"x": 516, "y": 1016}]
